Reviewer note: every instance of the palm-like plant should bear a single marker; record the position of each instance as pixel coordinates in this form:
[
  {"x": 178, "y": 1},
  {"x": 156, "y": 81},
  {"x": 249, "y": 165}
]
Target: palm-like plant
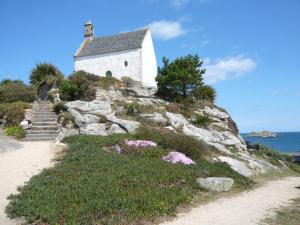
[{"x": 45, "y": 72}]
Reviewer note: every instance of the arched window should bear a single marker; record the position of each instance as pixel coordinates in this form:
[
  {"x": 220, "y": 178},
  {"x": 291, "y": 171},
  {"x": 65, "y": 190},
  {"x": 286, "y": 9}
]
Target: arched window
[
  {"x": 125, "y": 63},
  {"x": 108, "y": 74}
]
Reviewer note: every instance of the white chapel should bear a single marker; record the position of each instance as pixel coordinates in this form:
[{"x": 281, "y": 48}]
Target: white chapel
[{"x": 122, "y": 55}]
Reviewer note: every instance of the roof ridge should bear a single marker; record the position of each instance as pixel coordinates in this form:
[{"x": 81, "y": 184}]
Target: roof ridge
[{"x": 121, "y": 33}]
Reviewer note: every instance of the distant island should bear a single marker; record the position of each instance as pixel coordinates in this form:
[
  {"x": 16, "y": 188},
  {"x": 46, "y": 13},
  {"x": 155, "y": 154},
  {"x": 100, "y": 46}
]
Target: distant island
[{"x": 263, "y": 134}]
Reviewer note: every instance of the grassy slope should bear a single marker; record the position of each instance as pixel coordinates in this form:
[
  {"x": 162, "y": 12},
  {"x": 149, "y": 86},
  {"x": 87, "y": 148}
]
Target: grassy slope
[{"x": 91, "y": 186}]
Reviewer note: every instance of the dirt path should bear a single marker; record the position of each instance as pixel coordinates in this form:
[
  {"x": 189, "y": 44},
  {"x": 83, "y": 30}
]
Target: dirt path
[
  {"x": 17, "y": 165},
  {"x": 244, "y": 209}
]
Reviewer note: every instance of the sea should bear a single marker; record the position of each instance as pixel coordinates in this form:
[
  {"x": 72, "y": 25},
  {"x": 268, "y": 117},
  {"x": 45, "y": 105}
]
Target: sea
[{"x": 284, "y": 142}]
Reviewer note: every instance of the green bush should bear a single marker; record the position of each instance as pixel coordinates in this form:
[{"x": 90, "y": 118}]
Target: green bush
[
  {"x": 202, "y": 120},
  {"x": 205, "y": 92},
  {"x": 68, "y": 91},
  {"x": 106, "y": 82},
  {"x": 59, "y": 107},
  {"x": 15, "y": 131},
  {"x": 66, "y": 118},
  {"x": 13, "y": 112},
  {"x": 45, "y": 72},
  {"x": 272, "y": 155},
  {"x": 13, "y": 91},
  {"x": 80, "y": 85}
]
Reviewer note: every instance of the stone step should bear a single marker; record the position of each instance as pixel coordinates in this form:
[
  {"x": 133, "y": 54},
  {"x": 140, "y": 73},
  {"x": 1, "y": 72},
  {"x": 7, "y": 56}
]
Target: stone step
[
  {"x": 38, "y": 139},
  {"x": 44, "y": 128},
  {"x": 42, "y": 131},
  {"x": 44, "y": 110},
  {"x": 44, "y": 123},
  {"x": 40, "y": 136},
  {"x": 41, "y": 120},
  {"x": 44, "y": 114}
]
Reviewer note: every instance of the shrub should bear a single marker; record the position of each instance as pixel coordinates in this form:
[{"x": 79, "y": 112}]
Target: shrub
[
  {"x": 59, "y": 107},
  {"x": 205, "y": 92},
  {"x": 13, "y": 112},
  {"x": 273, "y": 155},
  {"x": 45, "y": 72},
  {"x": 173, "y": 107},
  {"x": 90, "y": 93},
  {"x": 68, "y": 91},
  {"x": 80, "y": 85},
  {"x": 15, "y": 131},
  {"x": 67, "y": 118},
  {"x": 202, "y": 120},
  {"x": 106, "y": 82},
  {"x": 13, "y": 91}
]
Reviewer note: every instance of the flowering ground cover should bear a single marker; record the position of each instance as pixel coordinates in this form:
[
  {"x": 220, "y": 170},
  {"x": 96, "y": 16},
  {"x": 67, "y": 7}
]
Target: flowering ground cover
[
  {"x": 93, "y": 186},
  {"x": 177, "y": 157}
]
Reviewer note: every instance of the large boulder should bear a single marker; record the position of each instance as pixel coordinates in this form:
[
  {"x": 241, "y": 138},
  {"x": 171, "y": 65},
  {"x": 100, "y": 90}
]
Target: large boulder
[
  {"x": 111, "y": 94},
  {"x": 216, "y": 184},
  {"x": 176, "y": 120},
  {"x": 64, "y": 132},
  {"x": 128, "y": 125},
  {"x": 214, "y": 137},
  {"x": 154, "y": 117},
  {"x": 81, "y": 119},
  {"x": 95, "y": 107},
  {"x": 139, "y": 91},
  {"x": 93, "y": 129},
  {"x": 237, "y": 165},
  {"x": 115, "y": 129},
  {"x": 214, "y": 112}
]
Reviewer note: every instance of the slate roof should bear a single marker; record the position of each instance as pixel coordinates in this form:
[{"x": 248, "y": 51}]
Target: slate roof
[{"x": 114, "y": 43}]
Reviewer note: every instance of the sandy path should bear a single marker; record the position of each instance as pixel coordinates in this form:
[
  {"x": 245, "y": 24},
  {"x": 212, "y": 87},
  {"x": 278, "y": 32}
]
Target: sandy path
[
  {"x": 244, "y": 209},
  {"x": 17, "y": 166}
]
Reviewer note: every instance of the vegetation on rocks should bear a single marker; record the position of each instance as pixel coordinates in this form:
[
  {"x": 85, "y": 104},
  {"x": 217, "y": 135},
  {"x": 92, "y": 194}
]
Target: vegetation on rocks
[
  {"x": 82, "y": 86},
  {"x": 202, "y": 120},
  {"x": 13, "y": 113},
  {"x": 16, "y": 90},
  {"x": 94, "y": 186},
  {"x": 271, "y": 155},
  {"x": 15, "y": 131}
]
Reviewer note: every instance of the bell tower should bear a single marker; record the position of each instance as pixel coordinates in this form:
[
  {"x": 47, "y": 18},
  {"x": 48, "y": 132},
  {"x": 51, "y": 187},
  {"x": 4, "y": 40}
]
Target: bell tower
[{"x": 88, "y": 29}]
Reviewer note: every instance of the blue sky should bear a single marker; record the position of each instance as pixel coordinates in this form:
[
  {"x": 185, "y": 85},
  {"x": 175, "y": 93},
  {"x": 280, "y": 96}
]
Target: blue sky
[{"x": 251, "y": 48}]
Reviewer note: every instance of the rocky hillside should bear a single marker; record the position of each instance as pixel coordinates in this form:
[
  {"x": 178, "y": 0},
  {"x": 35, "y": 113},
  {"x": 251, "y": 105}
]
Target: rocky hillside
[{"x": 125, "y": 109}]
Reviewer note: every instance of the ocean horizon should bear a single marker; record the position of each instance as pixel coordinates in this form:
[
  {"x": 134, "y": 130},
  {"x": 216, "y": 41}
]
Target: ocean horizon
[{"x": 284, "y": 142}]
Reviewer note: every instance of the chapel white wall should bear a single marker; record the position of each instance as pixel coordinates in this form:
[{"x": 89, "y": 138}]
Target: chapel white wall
[
  {"x": 114, "y": 62},
  {"x": 149, "y": 64}
]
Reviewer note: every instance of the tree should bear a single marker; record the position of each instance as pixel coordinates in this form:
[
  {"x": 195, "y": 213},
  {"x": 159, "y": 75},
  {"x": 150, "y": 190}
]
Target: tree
[
  {"x": 180, "y": 77},
  {"x": 45, "y": 72}
]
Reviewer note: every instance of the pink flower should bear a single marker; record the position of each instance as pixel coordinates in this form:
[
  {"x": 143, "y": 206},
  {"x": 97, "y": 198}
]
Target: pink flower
[
  {"x": 177, "y": 157},
  {"x": 141, "y": 143}
]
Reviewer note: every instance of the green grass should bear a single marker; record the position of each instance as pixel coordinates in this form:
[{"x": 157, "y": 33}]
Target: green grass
[
  {"x": 272, "y": 156},
  {"x": 15, "y": 131},
  {"x": 93, "y": 186},
  {"x": 289, "y": 215}
]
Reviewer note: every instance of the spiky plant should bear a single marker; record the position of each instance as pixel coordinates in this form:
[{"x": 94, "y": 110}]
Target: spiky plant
[{"x": 45, "y": 72}]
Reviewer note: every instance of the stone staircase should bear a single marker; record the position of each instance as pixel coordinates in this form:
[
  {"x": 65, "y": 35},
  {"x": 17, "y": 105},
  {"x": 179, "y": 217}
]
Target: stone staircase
[{"x": 44, "y": 123}]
